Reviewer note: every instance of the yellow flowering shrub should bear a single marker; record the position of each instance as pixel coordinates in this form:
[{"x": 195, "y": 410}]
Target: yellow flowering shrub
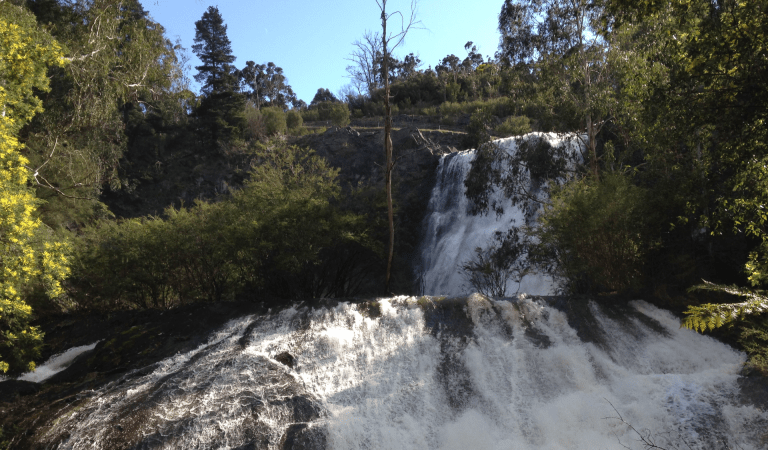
[{"x": 27, "y": 256}]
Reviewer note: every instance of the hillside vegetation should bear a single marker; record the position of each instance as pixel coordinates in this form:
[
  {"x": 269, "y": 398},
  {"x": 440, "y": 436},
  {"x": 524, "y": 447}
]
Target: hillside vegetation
[{"x": 124, "y": 189}]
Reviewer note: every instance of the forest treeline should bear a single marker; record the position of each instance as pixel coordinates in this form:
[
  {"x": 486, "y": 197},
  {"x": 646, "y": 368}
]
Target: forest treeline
[{"x": 668, "y": 98}]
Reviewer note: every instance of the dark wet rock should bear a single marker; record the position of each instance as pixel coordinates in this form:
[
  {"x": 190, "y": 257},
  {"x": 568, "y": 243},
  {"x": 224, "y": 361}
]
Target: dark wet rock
[
  {"x": 753, "y": 390},
  {"x": 537, "y": 337},
  {"x": 285, "y": 358},
  {"x": 10, "y": 389},
  {"x": 300, "y": 409},
  {"x": 301, "y": 436},
  {"x": 448, "y": 318}
]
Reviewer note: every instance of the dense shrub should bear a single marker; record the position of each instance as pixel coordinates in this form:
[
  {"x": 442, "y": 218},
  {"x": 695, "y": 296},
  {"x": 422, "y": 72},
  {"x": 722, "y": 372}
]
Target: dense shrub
[
  {"x": 268, "y": 238},
  {"x": 499, "y": 107},
  {"x": 310, "y": 115},
  {"x": 254, "y": 123},
  {"x": 274, "y": 120},
  {"x": 338, "y": 114},
  {"x": 293, "y": 119},
  {"x": 514, "y": 126},
  {"x": 597, "y": 232},
  {"x": 335, "y": 112}
]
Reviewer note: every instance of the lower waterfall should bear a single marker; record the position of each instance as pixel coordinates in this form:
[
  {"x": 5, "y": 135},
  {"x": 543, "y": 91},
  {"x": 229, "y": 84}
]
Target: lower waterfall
[{"x": 430, "y": 373}]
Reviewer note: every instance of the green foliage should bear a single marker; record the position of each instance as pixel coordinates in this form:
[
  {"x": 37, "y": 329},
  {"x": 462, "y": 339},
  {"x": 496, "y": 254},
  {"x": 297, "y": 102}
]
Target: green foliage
[
  {"x": 293, "y": 119},
  {"x": 115, "y": 55},
  {"x": 29, "y": 257},
  {"x": 339, "y": 115},
  {"x": 500, "y": 107},
  {"x": 310, "y": 115},
  {"x": 754, "y": 341},
  {"x": 272, "y": 237},
  {"x": 710, "y": 316},
  {"x": 597, "y": 232},
  {"x": 274, "y": 120},
  {"x": 335, "y": 112},
  {"x": 514, "y": 126},
  {"x": 479, "y": 128},
  {"x": 267, "y": 85}
]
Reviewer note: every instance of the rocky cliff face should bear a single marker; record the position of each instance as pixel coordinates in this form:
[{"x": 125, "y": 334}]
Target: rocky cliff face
[{"x": 359, "y": 155}]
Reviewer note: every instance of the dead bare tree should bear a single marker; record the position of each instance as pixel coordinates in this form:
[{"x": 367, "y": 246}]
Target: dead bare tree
[
  {"x": 389, "y": 42},
  {"x": 364, "y": 71}
]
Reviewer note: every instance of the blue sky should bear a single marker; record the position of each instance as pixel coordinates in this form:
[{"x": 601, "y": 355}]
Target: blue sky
[{"x": 311, "y": 39}]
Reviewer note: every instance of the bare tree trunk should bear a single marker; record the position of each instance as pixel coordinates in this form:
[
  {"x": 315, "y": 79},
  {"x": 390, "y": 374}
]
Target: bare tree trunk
[{"x": 387, "y": 147}]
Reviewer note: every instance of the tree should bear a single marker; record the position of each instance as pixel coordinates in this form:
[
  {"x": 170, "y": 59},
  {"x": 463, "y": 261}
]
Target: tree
[
  {"x": 562, "y": 40},
  {"x": 322, "y": 96},
  {"x": 28, "y": 257},
  {"x": 222, "y": 104},
  {"x": 115, "y": 55},
  {"x": 389, "y": 42},
  {"x": 365, "y": 71},
  {"x": 268, "y": 85},
  {"x": 715, "y": 97}
]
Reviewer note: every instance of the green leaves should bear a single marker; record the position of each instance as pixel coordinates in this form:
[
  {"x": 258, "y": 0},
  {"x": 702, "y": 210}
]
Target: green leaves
[
  {"x": 268, "y": 237},
  {"x": 711, "y": 316}
]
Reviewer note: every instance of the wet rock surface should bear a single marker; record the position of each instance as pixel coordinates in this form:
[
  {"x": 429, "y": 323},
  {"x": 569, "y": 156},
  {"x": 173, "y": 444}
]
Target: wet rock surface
[{"x": 131, "y": 344}]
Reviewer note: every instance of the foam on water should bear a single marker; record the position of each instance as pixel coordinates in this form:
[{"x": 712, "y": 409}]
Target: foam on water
[{"x": 56, "y": 364}]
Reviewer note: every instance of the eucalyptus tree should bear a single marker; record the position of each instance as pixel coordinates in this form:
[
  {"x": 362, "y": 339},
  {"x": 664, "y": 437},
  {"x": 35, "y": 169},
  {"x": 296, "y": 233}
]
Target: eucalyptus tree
[
  {"x": 561, "y": 42},
  {"x": 389, "y": 42},
  {"x": 116, "y": 54},
  {"x": 268, "y": 85}
]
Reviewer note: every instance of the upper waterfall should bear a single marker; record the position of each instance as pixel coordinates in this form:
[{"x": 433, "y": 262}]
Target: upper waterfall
[{"x": 452, "y": 234}]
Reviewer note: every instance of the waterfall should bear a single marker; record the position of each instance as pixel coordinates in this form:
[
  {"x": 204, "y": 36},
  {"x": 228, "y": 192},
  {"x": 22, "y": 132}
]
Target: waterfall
[
  {"x": 423, "y": 373},
  {"x": 452, "y": 234},
  {"x": 411, "y": 373}
]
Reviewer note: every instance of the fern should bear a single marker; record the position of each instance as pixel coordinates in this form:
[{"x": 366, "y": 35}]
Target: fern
[{"x": 713, "y": 315}]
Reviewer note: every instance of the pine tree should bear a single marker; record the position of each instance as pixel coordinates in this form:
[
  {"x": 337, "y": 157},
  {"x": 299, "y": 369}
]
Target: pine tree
[{"x": 221, "y": 108}]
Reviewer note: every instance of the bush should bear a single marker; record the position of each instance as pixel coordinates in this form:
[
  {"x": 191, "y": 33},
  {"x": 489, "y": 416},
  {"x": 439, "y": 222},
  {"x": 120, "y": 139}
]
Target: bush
[
  {"x": 500, "y": 107},
  {"x": 293, "y": 119},
  {"x": 491, "y": 268},
  {"x": 597, "y": 233},
  {"x": 514, "y": 126},
  {"x": 298, "y": 131},
  {"x": 335, "y": 112},
  {"x": 255, "y": 127},
  {"x": 339, "y": 114},
  {"x": 310, "y": 115},
  {"x": 274, "y": 120},
  {"x": 479, "y": 128},
  {"x": 266, "y": 239}
]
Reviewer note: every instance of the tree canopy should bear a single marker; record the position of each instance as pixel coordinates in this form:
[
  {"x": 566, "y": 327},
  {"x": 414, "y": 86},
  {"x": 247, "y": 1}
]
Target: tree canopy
[{"x": 29, "y": 258}]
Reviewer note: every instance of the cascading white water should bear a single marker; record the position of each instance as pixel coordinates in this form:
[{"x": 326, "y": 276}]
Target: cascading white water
[
  {"x": 412, "y": 373},
  {"x": 452, "y": 234}
]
